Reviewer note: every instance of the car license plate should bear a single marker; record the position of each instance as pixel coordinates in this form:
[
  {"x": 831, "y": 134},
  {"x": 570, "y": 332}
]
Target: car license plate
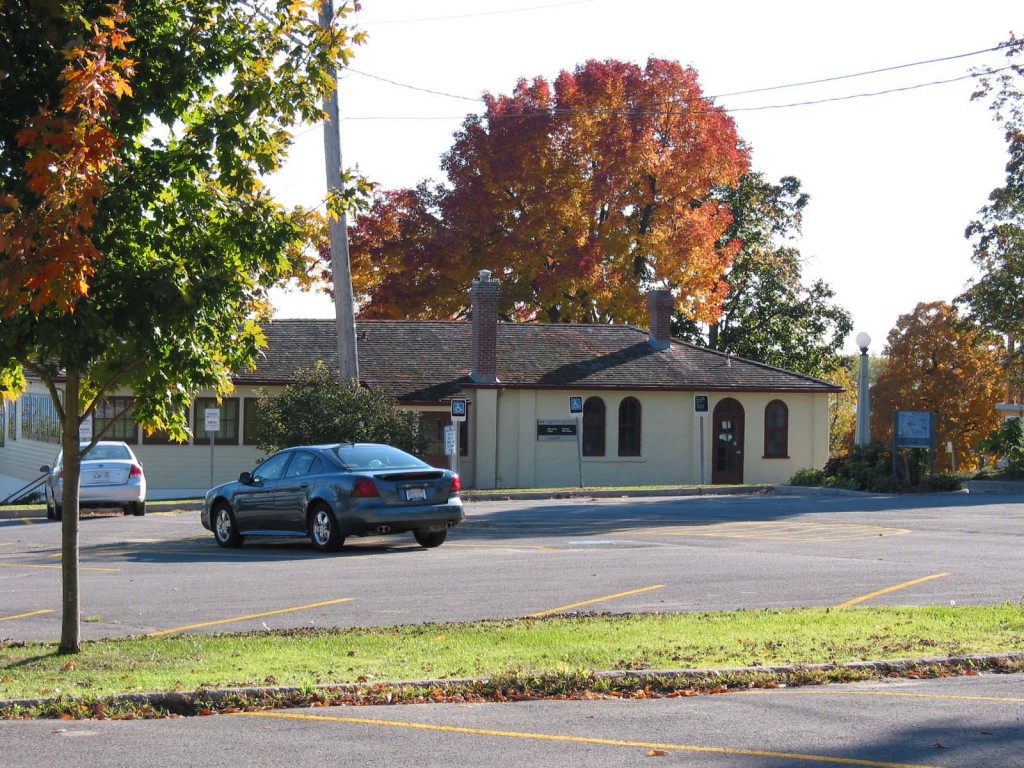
[
  {"x": 416, "y": 494},
  {"x": 100, "y": 477}
]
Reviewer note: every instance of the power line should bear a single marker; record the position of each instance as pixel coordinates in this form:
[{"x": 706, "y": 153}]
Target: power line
[
  {"x": 733, "y": 93},
  {"x": 542, "y": 111},
  {"x": 412, "y": 87},
  {"x": 866, "y": 72}
]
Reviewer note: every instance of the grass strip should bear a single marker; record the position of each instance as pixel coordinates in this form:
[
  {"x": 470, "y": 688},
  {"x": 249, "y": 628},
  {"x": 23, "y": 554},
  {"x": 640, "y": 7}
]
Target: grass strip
[{"x": 305, "y": 659}]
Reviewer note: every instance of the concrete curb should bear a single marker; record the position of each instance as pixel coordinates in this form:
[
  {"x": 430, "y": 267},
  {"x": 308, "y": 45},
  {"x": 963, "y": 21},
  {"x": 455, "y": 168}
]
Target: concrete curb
[{"x": 187, "y": 703}]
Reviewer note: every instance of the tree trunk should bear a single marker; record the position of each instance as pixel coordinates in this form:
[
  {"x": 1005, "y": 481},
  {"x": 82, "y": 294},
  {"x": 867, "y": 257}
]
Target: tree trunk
[{"x": 71, "y": 627}]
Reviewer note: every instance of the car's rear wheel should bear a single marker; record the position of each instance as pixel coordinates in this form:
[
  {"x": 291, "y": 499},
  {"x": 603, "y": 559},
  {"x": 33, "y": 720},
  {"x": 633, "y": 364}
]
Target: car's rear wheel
[
  {"x": 225, "y": 529},
  {"x": 323, "y": 529},
  {"x": 430, "y": 539},
  {"x": 138, "y": 508},
  {"x": 49, "y": 510},
  {"x": 58, "y": 511}
]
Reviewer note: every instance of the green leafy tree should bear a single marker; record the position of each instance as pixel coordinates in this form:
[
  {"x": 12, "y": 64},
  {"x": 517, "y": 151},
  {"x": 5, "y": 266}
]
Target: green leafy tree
[
  {"x": 1007, "y": 442},
  {"x": 770, "y": 313},
  {"x": 182, "y": 241},
  {"x": 996, "y": 298},
  {"x": 317, "y": 408}
]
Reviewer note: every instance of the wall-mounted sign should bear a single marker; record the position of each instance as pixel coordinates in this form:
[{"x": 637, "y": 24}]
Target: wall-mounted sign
[{"x": 556, "y": 429}]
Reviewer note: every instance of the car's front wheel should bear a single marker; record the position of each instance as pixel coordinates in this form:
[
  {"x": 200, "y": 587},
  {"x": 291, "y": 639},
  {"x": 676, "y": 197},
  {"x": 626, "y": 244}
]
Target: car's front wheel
[
  {"x": 323, "y": 529},
  {"x": 225, "y": 529},
  {"x": 430, "y": 539}
]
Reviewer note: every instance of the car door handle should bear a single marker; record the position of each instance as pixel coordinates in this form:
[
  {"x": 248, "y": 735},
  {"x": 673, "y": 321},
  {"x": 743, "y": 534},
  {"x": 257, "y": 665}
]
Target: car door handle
[{"x": 303, "y": 485}]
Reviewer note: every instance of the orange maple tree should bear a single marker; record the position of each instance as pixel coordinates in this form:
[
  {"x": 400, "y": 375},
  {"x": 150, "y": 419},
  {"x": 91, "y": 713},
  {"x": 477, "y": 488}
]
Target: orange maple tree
[
  {"x": 936, "y": 361},
  {"x": 47, "y": 253},
  {"x": 579, "y": 195}
]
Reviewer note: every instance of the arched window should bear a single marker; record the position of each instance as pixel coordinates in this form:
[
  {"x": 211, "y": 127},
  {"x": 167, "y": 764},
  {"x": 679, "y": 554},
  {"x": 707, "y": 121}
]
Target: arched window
[
  {"x": 629, "y": 427},
  {"x": 593, "y": 427},
  {"x": 776, "y": 430}
]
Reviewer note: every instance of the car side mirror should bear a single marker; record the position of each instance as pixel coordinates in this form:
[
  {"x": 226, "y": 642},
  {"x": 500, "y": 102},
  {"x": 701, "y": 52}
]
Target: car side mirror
[
  {"x": 245, "y": 478},
  {"x": 45, "y": 469}
]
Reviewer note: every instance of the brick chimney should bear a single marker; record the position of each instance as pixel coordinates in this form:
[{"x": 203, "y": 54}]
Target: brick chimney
[
  {"x": 659, "y": 312},
  {"x": 484, "y": 296}
]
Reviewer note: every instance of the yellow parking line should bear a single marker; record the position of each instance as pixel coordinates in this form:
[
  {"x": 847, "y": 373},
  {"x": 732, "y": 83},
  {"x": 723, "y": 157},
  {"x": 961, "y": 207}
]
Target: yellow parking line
[
  {"x": 249, "y": 616},
  {"x": 595, "y": 600},
  {"x": 26, "y": 521},
  {"x": 887, "y": 590},
  {"x": 506, "y": 546},
  {"x": 586, "y": 740},
  {"x": 26, "y": 615}
]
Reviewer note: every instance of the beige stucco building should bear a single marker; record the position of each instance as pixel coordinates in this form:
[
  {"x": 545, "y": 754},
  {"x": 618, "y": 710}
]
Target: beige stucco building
[{"x": 653, "y": 410}]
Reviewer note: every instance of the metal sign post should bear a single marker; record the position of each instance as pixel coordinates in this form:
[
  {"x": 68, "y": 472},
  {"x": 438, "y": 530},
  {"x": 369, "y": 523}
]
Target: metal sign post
[
  {"x": 700, "y": 407},
  {"x": 576, "y": 409},
  {"x": 212, "y": 424},
  {"x": 459, "y": 411}
]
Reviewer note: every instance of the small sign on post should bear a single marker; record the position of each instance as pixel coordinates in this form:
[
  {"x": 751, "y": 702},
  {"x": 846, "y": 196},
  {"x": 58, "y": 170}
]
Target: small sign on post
[
  {"x": 459, "y": 413},
  {"x": 450, "y": 431},
  {"x": 212, "y": 421},
  {"x": 576, "y": 409},
  {"x": 212, "y": 425},
  {"x": 85, "y": 430},
  {"x": 458, "y": 410},
  {"x": 700, "y": 407}
]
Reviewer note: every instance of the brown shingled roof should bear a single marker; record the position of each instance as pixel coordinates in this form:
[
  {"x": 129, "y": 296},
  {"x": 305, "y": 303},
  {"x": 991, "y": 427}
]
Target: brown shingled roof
[{"x": 429, "y": 361}]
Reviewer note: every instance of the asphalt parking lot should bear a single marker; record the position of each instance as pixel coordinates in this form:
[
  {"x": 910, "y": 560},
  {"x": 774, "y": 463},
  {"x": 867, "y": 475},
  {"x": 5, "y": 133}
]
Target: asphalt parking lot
[
  {"x": 164, "y": 574},
  {"x": 950, "y": 723}
]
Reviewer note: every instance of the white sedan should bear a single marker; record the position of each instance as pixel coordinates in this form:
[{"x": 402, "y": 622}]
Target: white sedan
[{"x": 111, "y": 477}]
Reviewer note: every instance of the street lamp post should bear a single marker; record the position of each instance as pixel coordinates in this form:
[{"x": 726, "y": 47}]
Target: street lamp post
[{"x": 863, "y": 434}]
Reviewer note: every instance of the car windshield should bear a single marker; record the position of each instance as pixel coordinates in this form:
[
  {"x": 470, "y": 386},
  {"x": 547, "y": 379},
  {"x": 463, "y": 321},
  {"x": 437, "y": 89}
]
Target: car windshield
[
  {"x": 106, "y": 453},
  {"x": 361, "y": 458}
]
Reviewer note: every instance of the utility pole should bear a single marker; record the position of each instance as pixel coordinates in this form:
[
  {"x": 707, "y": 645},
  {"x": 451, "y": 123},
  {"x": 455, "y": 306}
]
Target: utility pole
[{"x": 344, "y": 304}]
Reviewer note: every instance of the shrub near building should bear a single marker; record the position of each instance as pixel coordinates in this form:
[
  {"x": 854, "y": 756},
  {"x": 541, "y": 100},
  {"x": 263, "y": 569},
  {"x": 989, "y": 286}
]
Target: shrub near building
[{"x": 320, "y": 408}]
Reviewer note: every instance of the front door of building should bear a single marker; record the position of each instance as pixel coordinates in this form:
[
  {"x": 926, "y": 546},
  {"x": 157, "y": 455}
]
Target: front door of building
[
  {"x": 727, "y": 435},
  {"x": 432, "y": 424}
]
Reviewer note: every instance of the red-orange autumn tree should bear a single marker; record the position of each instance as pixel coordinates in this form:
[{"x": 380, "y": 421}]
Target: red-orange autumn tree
[
  {"x": 937, "y": 361},
  {"x": 66, "y": 150},
  {"x": 579, "y": 195}
]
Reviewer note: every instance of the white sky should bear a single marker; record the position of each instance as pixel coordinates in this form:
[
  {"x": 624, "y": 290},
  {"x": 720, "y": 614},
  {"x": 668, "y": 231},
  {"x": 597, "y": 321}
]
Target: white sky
[{"x": 894, "y": 179}]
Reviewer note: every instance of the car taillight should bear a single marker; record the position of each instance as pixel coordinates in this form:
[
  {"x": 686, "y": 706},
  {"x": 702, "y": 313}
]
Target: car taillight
[
  {"x": 136, "y": 471},
  {"x": 60, "y": 475},
  {"x": 456, "y": 484},
  {"x": 364, "y": 488}
]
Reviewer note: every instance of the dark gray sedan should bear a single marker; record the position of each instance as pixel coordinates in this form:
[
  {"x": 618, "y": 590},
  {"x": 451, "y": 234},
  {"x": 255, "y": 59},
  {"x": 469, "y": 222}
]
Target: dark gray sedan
[{"x": 330, "y": 492}]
